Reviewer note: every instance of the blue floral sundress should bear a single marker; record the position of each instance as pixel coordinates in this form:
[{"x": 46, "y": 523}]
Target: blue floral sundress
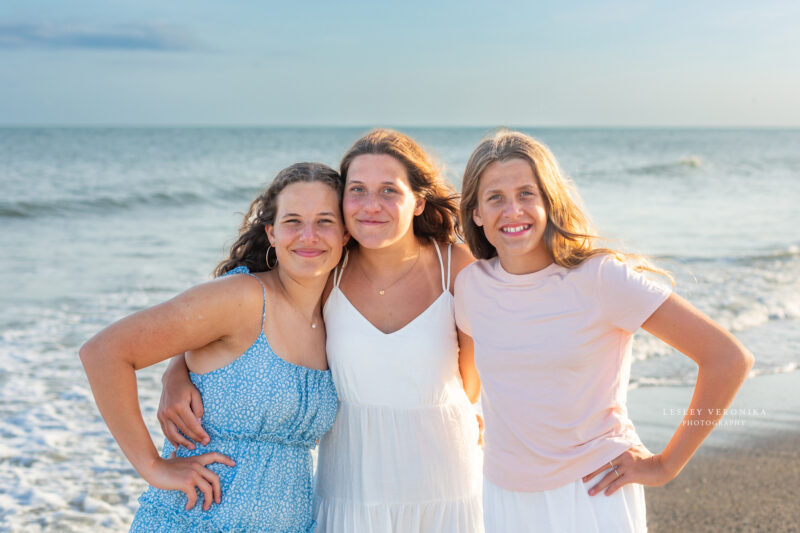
[{"x": 266, "y": 414}]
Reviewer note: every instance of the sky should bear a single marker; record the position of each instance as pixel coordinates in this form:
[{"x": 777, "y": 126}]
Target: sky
[{"x": 410, "y": 63}]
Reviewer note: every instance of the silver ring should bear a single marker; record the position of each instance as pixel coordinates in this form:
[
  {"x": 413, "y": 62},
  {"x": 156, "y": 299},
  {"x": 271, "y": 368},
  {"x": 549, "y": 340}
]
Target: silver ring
[{"x": 615, "y": 470}]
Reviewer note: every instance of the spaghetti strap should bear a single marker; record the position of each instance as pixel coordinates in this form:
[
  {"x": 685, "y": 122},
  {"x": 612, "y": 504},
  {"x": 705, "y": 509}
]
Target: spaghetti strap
[
  {"x": 244, "y": 270},
  {"x": 449, "y": 255},
  {"x": 264, "y": 299},
  {"x": 441, "y": 264},
  {"x": 339, "y": 270}
]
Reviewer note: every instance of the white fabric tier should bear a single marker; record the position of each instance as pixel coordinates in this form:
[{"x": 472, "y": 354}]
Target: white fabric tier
[
  {"x": 388, "y": 469},
  {"x": 566, "y": 509}
]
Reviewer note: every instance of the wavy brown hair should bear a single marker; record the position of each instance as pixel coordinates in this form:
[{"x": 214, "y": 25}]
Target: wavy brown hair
[
  {"x": 250, "y": 248},
  {"x": 439, "y": 219},
  {"x": 569, "y": 235}
]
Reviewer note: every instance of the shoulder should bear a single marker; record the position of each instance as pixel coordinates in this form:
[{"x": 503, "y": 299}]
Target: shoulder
[
  {"x": 234, "y": 289},
  {"x": 460, "y": 258},
  {"x": 474, "y": 273}
]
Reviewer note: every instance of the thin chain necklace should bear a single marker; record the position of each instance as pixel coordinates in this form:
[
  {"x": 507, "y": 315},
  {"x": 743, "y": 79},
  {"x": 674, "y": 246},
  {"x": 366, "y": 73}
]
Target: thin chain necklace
[
  {"x": 291, "y": 302},
  {"x": 383, "y": 290}
]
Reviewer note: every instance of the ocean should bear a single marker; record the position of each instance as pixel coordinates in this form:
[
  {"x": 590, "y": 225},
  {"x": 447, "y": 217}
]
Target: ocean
[{"x": 96, "y": 223}]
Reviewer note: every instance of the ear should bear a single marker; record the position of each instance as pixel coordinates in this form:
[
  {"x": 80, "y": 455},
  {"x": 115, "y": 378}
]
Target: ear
[
  {"x": 476, "y": 217},
  {"x": 269, "y": 229},
  {"x": 419, "y": 207},
  {"x": 346, "y": 237}
]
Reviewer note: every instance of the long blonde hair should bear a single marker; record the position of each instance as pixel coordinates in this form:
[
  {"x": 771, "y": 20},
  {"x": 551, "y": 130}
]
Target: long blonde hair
[{"x": 569, "y": 235}]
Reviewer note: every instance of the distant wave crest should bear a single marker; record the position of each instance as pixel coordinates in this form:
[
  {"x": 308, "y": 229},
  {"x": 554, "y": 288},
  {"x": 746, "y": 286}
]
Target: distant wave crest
[
  {"x": 680, "y": 166},
  {"x": 109, "y": 202}
]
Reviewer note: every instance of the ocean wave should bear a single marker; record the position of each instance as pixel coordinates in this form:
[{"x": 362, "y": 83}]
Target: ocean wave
[
  {"x": 109, "y": 202},
  {"x": 674, "y": 167},
  {"x": 791, "y": 251}
]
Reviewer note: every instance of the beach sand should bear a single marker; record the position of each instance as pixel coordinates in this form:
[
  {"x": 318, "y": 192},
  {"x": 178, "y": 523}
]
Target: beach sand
[{"x": 745, "y": 477}]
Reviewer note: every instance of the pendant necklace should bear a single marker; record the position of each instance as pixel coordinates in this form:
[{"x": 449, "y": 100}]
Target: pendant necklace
[
  {"x": 291, "y": 302},
  {"x": 383, "y": 290}
]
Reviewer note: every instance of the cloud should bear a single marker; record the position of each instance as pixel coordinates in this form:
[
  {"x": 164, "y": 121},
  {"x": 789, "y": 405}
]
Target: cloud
[{"x": 151, "y": 37}]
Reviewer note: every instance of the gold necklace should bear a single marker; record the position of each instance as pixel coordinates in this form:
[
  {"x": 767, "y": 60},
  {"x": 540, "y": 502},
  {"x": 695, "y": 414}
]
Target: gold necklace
[
  {"x": 382, "y": 291},
  {"x": 291, "y": 302}
]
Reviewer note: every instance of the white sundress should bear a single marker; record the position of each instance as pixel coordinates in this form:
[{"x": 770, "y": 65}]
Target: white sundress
[{"x": 402, "y": 455}]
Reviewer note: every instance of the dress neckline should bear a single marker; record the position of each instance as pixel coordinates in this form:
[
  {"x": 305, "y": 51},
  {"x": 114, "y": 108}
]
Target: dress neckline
[
  {"x": 270, "y": 351},
  {"x": 376, "y": 328}
]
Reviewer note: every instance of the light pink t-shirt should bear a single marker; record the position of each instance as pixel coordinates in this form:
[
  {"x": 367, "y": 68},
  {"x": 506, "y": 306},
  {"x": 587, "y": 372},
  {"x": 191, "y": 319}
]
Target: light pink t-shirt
[{"x": 553, "y": 350}]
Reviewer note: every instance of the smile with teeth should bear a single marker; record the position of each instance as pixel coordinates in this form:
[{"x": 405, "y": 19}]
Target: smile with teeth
[{"x": 514, "y": 230}]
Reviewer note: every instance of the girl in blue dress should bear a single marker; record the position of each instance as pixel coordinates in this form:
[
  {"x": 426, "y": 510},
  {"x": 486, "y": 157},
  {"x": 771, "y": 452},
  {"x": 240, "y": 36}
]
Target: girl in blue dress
[{"x": 255, "y": 347}]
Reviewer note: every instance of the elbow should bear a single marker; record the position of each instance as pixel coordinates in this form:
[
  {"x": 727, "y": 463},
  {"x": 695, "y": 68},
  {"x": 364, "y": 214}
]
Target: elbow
[
  {"x": 740, "y": 362},
  {"x": 747, "y": 361},
  {"x": 88, "y": 353}
]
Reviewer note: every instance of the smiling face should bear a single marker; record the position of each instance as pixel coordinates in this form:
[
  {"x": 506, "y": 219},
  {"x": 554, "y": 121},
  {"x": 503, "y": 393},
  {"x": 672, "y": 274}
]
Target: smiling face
[
  {"x": 308, "y": 233},
  {"x": 379, "y": 206},
  {"x": 512, "y": 213}
]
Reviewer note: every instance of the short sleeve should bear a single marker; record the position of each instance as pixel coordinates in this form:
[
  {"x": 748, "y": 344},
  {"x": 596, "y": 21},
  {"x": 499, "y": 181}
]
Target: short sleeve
[
  {"x": 460, "y": 296},
  {"x": 627, "y": 297}
]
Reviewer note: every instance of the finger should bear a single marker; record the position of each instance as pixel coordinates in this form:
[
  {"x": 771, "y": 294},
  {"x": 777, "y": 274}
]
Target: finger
[
  {"x": 191, "y": 495},
  {"x": 205, "y": 488},
  {"x": 598, "y": 471},
  {"x": 215, "y": 457},
  {"x": 196, "y": 403},
  {"x": 192, "y": 426},
  {"x": 163, "y": 425},
  {"x": 175, "y": 437},
  {"x": 213, "y": 478},
  {"x": 605, "y": 482},
  {"x": 187, "y": 423},
  {"x": 616, "y": 484}
]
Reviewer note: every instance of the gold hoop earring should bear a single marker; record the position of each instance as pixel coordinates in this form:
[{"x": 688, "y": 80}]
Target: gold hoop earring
[{"x": 276, "y": 258}]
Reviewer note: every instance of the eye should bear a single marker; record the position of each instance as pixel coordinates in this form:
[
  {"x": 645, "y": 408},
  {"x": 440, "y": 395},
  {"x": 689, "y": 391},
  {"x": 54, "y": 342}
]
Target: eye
[
  {"x": 326, "y": 221},
  {"x": 527, "y": 193},
  {"x": 356, "y": 188},
  {"x": 493, "y": 197},
  {"x": 291, "y": 221},
  {"x": 389, "y": 190}
]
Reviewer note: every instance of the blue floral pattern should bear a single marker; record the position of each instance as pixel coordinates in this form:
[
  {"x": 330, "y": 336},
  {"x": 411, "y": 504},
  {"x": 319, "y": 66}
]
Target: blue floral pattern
[{"x": 266, "y": 414}]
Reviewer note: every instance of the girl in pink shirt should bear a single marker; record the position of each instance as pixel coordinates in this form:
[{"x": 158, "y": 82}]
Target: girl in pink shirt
[{"x": 552, "y": 319}]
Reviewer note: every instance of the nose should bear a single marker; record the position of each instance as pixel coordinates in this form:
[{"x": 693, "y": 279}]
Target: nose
[
  {"x": 371, "y": 203},
  {"x": 309, "y": 233},
  {"x": 512, "y": 208}
]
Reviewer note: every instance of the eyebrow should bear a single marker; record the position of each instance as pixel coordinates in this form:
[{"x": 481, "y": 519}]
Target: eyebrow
[
  {"x": 526, "y": 186},
  {"x": 324, "y": 213},
  {"x": 350, "y": 182}
]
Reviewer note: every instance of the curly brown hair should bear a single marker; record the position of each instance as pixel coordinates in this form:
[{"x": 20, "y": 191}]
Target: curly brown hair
[
  {"x": 250, "y": 248},
  {"x": 439, "y": 220}
]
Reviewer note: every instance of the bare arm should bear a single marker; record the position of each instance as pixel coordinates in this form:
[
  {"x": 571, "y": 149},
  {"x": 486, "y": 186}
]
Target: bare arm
[
  {"x": 723, "y": 364},
  {"x": 461, "y": 257},
  {"x": 190, "y": 321},
  {"x": 466, "y": 365}
]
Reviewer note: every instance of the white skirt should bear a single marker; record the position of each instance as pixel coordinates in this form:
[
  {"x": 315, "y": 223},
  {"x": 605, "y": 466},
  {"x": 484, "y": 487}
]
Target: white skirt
[
  {"x": 400, "y": 470},
  {"x": 565, "y": 509}
]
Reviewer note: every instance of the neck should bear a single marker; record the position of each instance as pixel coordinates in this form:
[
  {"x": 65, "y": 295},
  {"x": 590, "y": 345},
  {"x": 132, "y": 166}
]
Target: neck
[
  {"x": 526, "y": 264},
  {"x": 305, "y": 293},
  {"x": 389, "y": 259}
]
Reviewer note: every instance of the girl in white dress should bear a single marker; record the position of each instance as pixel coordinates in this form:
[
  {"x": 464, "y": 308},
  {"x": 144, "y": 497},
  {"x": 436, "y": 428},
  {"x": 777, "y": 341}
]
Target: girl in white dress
[
  {"x": 403, "y": 454},
  {"x": 552, "y": 317}
]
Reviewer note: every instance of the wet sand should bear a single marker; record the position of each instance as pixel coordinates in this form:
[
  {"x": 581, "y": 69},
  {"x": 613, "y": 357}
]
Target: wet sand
[{"x": 745, "y": 477}]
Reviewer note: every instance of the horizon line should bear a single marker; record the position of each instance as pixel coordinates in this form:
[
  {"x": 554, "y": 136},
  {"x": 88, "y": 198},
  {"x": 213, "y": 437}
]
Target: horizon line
[{"x": 394, "y": 126}]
